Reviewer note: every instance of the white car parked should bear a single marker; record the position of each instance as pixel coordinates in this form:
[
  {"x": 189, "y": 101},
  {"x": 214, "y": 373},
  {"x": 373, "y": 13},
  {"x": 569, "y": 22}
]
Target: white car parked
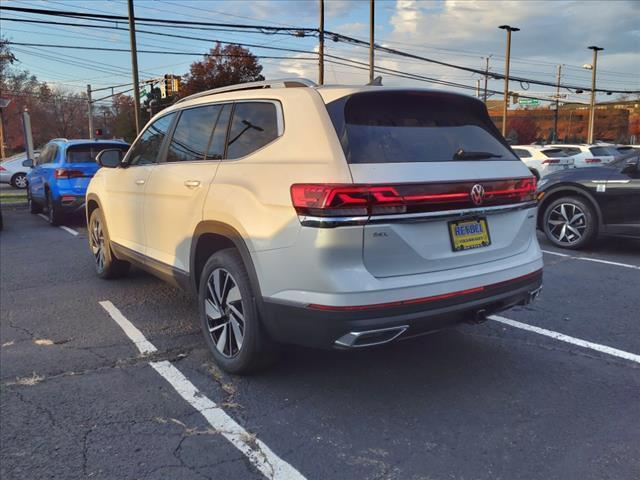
[
  {"x": 330, "y": 216},
  {"x": 543, "y": 160},
  {"x": 14, "y": 170},
  {"x": 589, "y": 155}
]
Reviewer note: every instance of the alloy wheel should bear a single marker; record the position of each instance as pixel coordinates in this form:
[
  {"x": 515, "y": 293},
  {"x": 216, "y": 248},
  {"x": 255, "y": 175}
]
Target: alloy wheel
[
  {"x": 20, "y": 181},
  {"x": 567, "y": 223},
  {"x": 225, "y": 312},
  {"x": 96, "y": 238}
]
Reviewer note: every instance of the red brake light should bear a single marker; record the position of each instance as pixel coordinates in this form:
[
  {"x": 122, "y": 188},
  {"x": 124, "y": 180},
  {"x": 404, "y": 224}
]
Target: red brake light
[
  {"x": 2, "y": 169},
  {"x": 68, "y": 173},
  {"x": 551, "y": 161},
  {"x": 328, "y": 200},
  {"x": 592, "y": 160}
]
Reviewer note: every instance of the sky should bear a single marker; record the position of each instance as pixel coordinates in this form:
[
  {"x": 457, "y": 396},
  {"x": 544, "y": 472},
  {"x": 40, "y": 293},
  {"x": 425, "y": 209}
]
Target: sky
[{"x": 463, "y": 32}]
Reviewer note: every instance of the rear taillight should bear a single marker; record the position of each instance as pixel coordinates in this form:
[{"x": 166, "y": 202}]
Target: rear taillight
[
  {"x": 592, "y": 160},
  {"x": 551, "y": 161},
  {"x": 68, "y": 173},
  {"x": 330, "y": 200},
  {"x": 2, "y": 169}
]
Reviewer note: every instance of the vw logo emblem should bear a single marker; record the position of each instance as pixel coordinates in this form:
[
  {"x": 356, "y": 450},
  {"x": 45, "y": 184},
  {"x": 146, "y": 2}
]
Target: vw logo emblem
[{"x": 477, "y": 194}]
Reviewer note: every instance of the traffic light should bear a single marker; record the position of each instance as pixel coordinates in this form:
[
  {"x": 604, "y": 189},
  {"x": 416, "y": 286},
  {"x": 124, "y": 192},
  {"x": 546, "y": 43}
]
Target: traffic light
[{"x": 169, "y": 86}]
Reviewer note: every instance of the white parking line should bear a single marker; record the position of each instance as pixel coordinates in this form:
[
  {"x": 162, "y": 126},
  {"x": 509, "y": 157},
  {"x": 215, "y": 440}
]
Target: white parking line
[
  {"x": 597, "y": 260},
  {"x": 70, "y": 230},
  {"x": 259, "y": 454},
  {"x": 566, "y": 338},
  {"x": 66, "y": 229}
]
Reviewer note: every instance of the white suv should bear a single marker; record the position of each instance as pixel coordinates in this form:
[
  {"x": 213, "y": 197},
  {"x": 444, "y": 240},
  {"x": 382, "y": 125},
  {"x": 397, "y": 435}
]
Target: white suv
[
  {"x": 589, "y": 155},
  {"x": 322, "y": 216},
  {"x": 542, "y": 160}
]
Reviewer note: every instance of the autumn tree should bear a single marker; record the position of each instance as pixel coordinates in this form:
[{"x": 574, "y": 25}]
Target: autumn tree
[
  {"x": 524, "y": 129},
  {"x": 223, "y": 66}
]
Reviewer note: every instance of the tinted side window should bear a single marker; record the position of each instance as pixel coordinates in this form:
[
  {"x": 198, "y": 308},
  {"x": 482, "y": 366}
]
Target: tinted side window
[
  {"x": 192, "y": 134},
  {"x": 145, "y": 151},
  {"x": 48, "y": 154},
  {"x": 254, "y": 125}
]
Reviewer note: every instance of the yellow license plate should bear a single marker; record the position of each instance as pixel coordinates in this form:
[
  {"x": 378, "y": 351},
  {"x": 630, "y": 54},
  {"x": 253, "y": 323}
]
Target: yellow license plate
[{"x": 468, "y": 234}]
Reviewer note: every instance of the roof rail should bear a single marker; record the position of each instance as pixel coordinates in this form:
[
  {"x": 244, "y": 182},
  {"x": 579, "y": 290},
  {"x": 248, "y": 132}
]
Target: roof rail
[
  {"x": 62, "y": 139},
  {"x": 280, "y": 83}
]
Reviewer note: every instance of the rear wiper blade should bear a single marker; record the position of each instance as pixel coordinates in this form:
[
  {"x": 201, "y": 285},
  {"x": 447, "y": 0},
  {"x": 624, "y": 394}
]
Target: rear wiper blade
[{"x": 464, "y": 155}]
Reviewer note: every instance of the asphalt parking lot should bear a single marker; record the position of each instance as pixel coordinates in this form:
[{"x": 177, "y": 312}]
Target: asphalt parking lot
[{"x": 492, "y": 401}]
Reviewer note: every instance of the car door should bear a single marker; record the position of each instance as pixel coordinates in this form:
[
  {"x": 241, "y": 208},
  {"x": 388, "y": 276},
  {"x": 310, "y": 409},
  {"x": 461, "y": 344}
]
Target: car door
[
  {"x": 621, "y": 205},
  {"x": 178, "y": 186},
  {"x": 124, "y": 186},
  {"x": 38, "y": 175}
]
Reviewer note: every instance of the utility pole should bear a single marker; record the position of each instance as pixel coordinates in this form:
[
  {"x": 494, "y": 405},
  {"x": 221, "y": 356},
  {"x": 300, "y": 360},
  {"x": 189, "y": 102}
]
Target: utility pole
[
  {"x": 371, "y": 34},
  {"x": 486, "y": 78},
  {"x": 90, "y": 113},
  {"x": 592, "y": 110},
  {"x": 134, "y": 63},
  {"x": 555, "y": 119},
  {"x": 321, "y": 48},
  {"x": 505, "y": 106},
  {"x": 478, "y": 89}
]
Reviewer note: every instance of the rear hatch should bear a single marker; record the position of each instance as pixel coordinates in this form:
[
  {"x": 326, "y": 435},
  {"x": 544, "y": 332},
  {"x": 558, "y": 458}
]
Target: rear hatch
[
  {"x": 445, "y": 191},
  {"x": 556, "y": 159},
  {"x": 80, "y": 164},
  {"x": 604, "y": 153}
]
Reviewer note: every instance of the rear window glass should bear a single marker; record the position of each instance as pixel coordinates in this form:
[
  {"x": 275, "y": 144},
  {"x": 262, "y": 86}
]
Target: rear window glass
[
  {"x": 603, "y": 151},
  {"x": 254, "y": 125},
  {"x": 87, "y": 153},
  {"x": 554, "y": 152},
  {"x": 415, "y": 126},
  {"x": 521, "y": 153}
]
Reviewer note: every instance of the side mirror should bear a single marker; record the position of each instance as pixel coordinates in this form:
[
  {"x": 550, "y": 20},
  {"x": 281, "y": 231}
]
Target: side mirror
[
  {"x": 110, "y": 158},
  {"x": 28, "y": 163},
  {"x": 630, "y": 167}
]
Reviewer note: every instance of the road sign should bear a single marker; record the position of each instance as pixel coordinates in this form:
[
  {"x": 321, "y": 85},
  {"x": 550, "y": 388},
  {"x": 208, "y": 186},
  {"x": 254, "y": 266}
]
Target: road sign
[{"x": 528, "y": 101}]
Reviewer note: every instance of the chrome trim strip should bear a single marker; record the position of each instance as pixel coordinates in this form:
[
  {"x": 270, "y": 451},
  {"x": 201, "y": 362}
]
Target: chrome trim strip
[
  {"x": 349, "y": 339},
  {"x": 332, "y": 222}
]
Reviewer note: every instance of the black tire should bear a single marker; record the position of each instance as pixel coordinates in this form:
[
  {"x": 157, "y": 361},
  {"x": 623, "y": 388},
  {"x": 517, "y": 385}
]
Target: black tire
[
  {"x": 574, "y": 229},
  {"x": 106, "y": 264},
  {"x": 19, "y": 180},
  {"x": 240, "y": 314},
  {"x": 54, "y": 215},
  {"x": 34, "y": 208}
]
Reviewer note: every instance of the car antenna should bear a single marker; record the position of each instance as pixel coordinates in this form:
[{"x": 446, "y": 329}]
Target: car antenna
[{"x": 376, "y": 82}]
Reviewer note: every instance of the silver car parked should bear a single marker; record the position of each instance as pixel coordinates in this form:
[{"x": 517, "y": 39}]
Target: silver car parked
[{"x": 14, "y": 170}]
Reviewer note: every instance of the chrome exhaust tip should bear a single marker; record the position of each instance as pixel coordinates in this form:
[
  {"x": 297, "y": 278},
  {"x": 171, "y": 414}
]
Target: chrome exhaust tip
[{"x": 369, "y": 338}]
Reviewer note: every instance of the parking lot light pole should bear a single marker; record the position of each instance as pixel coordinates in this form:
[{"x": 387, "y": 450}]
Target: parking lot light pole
[
  {"x": 505, "y": 105},
  {"x": 90, "y": 112},
  {"x": 321, "y": 46},
  {"x": 557, "y": 113},
  {"x": 592, "y": 109}
]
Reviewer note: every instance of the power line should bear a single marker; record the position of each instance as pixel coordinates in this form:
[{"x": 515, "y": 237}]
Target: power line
[{"x": 160, "y": 52}]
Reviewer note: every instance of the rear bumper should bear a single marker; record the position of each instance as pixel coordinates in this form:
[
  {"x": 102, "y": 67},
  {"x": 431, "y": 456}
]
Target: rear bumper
[
  {"x": 70, "y": 203},
  {"x": 319, "y": 326}
]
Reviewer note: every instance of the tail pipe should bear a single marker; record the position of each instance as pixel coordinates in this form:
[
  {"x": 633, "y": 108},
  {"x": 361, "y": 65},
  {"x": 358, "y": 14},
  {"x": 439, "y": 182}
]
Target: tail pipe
[{"x": 369, "y": 338}]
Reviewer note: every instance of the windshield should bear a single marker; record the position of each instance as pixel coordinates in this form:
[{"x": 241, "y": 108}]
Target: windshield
[
  {"x": 87, "y": 153},
  {"x": 415, "y": 126}
]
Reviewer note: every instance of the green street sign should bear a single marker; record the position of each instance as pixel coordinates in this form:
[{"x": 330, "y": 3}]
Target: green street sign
[{"x": 528, "y": 101}]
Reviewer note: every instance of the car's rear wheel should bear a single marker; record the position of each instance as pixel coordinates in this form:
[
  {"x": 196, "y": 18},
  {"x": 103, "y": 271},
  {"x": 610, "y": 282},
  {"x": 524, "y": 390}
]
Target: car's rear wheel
[
  {"x": 54, "y": 215},
  {"x": 19, "y": 180},
  {"x": 106, "y": 264},
  {"x": 570, "y": 222},
  {"x": 229, "y": 317}
]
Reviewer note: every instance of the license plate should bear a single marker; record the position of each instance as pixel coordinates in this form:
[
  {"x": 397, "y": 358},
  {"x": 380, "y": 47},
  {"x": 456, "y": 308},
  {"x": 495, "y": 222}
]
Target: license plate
[{"x": 468, "y": 234}]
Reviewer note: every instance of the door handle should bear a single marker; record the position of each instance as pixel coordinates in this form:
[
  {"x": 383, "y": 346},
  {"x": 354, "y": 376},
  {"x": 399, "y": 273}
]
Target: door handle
[
  {"x": 192, "y": 183},
  {"x": 139, "y": 182}
]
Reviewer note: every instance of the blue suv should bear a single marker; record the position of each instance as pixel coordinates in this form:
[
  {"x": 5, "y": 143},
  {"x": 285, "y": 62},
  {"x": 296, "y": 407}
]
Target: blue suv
[{"x": 60, "y": 176}]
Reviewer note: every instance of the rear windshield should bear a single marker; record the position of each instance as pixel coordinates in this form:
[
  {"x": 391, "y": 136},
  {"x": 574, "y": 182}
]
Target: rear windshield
[
  {"x": 87, "y": 153},
  {"x": 603, "y": 151},
  {"x": 555, "y": 152},
  {"x": 415, "y": 126}
]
